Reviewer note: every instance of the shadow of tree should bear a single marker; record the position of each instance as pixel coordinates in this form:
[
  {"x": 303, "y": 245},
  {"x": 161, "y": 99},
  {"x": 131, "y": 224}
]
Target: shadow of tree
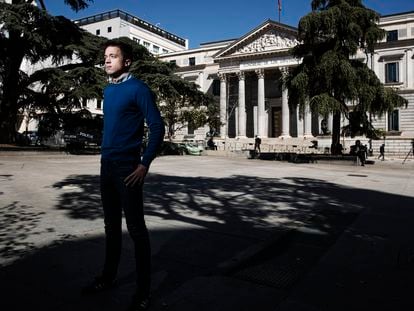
[
  {"x": 18, "y": 223},
  {"x": 81, "y": 197},
  {"x": 225, "y": 215},
  {"x": 245, "y": 204}
]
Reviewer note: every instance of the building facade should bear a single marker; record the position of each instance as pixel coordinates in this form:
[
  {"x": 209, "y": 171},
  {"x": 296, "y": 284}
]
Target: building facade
[
  {"x": 117, "y": 23},
  {"x": 244, "y": 74}
]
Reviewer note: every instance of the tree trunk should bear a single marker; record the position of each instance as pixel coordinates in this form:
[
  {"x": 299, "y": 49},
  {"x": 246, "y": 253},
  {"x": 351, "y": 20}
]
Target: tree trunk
[
  {"x": 8, "y": 119},
  {"x": 9, "y": 98},
  {"x": 336, "y": 147}
]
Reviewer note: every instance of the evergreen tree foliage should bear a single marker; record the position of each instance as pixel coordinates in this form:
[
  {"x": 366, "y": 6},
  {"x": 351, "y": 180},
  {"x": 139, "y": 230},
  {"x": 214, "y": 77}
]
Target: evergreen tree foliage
[
  {"x": 62, "y": 59},
  {"x": 329, "y": 78},
  {"x": 75, "y": 5}
]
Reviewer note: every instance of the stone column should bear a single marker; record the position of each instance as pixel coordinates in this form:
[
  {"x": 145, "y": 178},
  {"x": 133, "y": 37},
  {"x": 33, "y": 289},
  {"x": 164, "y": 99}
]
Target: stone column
[
  {"x": 285, "y": 108},
  {"x": 375, "y": 66},
  {"x": 223, "y": 105},
  {"x": 329, "y": 120},
  {"x": 201, "y": 80},
  {"x": 261, "y": 112},
  {"x": 241, "y": 129},
  {"x": 409, "y": 69},
  {"x": 307, "y": 119},
  {"x": 300, "y": 122}
]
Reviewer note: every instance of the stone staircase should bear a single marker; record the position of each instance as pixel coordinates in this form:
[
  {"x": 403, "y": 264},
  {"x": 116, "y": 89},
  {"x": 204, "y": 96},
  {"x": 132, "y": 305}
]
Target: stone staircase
[{"x": 395, "y": 147}]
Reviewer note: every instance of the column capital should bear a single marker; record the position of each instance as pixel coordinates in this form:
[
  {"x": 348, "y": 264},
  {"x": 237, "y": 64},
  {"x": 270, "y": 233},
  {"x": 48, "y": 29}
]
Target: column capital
[
  {"x": 241, "y": 75},
  {"x": 260, "y": 73},
  {"x": 222, "y": 76}
]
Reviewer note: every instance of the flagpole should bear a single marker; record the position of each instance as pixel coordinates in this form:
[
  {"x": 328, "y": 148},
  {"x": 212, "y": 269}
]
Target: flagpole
[{"x": 279, "y": 7}]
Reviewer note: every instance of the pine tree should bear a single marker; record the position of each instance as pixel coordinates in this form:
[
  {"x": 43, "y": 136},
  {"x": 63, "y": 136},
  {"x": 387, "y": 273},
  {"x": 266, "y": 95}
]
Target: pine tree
[
  {"x": 328, "y": 78},
  {"x": 67, "y": 57}
]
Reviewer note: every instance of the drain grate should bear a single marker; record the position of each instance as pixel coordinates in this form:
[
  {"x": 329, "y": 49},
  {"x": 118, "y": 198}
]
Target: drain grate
[
  {"x": 282, "y": 264},
  {"x": 271, "y": 274}
]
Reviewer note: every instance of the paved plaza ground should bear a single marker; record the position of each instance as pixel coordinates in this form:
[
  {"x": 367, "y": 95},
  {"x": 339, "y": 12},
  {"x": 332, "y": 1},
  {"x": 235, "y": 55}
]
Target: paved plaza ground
[{"x": 226, "y": 233}]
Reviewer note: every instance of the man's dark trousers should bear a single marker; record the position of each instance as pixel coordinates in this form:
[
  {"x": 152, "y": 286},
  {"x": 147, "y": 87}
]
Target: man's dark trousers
[{"x": 116, "y": 196}]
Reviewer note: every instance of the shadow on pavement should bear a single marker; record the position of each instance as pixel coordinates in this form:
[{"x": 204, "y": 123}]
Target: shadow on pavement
[
  {"x": 223, "y": 217},
  {"x": 18, "y": 222}
]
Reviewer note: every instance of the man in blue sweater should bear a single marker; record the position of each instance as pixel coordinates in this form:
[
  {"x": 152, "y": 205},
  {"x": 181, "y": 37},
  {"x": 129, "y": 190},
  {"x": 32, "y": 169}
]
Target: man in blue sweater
[{"x": 128, "y": 102}]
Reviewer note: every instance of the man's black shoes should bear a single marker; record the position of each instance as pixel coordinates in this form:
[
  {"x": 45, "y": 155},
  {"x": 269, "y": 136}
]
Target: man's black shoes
[
  {"x": 139, "y": 304},
  {"x": 99, "y": 284}
]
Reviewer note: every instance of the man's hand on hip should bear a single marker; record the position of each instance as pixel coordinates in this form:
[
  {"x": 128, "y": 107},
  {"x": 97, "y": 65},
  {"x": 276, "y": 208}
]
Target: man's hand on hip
[{"x": 136, "y": 176}]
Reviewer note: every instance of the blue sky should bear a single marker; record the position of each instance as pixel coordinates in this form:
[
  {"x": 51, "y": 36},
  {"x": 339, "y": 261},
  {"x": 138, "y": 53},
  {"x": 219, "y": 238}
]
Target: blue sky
[{"x": 213, "y": 20}]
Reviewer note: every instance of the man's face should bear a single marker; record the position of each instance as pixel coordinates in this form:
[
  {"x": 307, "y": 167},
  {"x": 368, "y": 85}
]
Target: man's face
[{"x": 115, "y": 64}]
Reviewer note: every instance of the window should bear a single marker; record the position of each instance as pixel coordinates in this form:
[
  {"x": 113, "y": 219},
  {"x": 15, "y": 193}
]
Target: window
[
  {"x": 156, "y": 49},
  {"x": 135, "y": 40},
  {"x": 99, "y": 104},
  {"x": 164, "y": 51},
  {"x": 392, "y": 35},
  {"x": 191, "y": 61},
  {"x": 391, "y": 73},
  {"x": 173, "y": 61},
  {"x": 98, "y": 32},
  {"x": 109, "y": 29},
  {"x": 146, "y": 44},
  {"x": 393, "y": 121}
]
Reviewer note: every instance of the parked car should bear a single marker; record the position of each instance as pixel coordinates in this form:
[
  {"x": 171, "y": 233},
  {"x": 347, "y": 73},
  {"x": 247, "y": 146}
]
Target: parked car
[
  {"x": 79, "y": 140},
  {"x": 28, "y": 138},
  {"x": 192, "y": 149},
  {"x": 173, "y": 148}
]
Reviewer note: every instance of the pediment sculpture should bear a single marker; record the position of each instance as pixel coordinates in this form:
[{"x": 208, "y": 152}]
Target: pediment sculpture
[{"x": 272, "y": 40}]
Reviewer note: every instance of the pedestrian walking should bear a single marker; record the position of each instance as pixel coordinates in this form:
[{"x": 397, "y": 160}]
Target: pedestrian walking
[
  {"x": 382, "y": 152},
  {"x": 128, "y": 102}
]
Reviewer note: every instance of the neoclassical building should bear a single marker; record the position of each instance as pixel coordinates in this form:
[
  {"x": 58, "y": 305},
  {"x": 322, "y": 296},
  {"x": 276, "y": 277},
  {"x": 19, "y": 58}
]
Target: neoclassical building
[{"x": 244, "y": 76}]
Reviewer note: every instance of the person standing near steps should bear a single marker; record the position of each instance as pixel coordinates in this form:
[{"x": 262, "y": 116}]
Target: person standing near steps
[
  {"x": 382, "y": 152},
  {"x": 128, "y": 103}
]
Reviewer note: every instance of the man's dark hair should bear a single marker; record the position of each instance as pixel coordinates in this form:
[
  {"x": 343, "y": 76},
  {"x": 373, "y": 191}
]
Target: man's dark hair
[{"x": 126, "y": 49}]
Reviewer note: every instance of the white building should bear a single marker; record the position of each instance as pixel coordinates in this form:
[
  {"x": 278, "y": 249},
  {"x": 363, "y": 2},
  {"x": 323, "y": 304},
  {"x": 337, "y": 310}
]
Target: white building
[
  {"x": 117, "y": 23},
  {"x": 393, "y": 62},
  {"x": 244, "y": 75}
]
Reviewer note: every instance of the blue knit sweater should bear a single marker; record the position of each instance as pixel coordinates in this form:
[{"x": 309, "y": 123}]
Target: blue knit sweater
[{"x": 126, "y": 106}]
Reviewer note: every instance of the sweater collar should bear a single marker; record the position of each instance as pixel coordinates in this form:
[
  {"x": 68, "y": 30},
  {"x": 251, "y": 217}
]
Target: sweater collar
[{"x": 122, "y": 78}]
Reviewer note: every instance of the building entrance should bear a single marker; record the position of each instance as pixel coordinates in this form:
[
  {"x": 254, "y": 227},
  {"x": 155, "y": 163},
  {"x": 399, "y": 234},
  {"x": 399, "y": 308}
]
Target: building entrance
[{"x": 276, "y": 121}]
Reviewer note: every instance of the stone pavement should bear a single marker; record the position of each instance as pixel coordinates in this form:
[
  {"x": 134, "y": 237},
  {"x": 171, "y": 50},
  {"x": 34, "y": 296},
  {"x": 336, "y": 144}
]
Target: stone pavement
[{"x": 226, "y": 233}]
